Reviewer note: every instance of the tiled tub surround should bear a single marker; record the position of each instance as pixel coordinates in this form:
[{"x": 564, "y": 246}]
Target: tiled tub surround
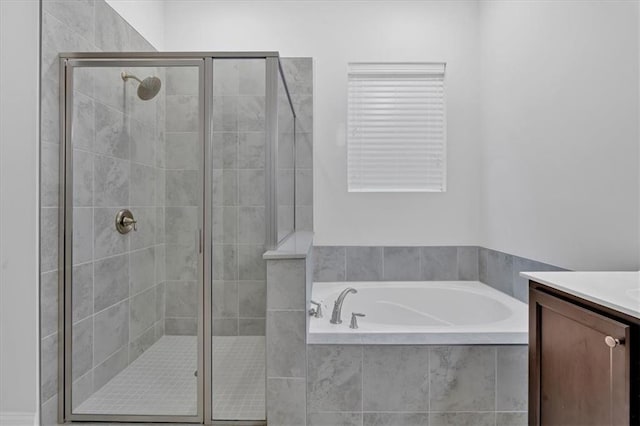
[
  {"x": 416, "y": 385},
  {"x": 431, "y": 263}
]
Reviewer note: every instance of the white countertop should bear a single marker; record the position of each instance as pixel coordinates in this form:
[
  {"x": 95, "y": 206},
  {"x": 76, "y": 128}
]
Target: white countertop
[{"x": 619, "y": 291}]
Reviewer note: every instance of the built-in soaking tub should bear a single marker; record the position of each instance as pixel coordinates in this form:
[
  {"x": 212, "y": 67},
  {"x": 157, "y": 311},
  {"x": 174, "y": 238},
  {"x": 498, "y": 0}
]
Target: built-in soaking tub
[{"x": 423, "y": 312}]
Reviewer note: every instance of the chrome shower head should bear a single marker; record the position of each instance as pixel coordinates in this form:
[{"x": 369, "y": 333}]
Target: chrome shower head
[{"x": 148, "y": 88}]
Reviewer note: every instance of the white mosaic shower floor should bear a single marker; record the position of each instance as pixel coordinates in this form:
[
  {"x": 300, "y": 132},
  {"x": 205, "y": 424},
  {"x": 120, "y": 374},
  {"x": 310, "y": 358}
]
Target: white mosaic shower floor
[{"x": 162, "y": 382}]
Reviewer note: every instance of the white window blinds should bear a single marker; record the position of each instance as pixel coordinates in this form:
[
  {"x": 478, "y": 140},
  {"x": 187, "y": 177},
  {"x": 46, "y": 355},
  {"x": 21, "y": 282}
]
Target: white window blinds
[{"x": 396, "y": 127}]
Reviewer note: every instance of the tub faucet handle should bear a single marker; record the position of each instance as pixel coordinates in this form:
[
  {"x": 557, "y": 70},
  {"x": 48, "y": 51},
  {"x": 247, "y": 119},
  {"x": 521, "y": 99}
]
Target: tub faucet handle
[
  {"x": 317, "y": 311},
  {"x": 354, "y": 319}
]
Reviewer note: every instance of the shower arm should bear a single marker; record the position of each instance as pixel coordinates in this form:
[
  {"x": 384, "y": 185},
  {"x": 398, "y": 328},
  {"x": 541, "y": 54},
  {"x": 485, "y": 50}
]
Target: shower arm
[{"x": 126, "y": 76}]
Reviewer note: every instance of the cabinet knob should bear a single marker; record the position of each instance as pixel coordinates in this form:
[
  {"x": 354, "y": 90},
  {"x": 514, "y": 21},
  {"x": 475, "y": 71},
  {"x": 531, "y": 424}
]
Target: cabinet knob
[{"x": 612, "y": 342}]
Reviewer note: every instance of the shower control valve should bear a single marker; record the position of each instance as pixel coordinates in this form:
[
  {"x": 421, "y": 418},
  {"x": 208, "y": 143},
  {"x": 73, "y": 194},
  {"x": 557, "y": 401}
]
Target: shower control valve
[{"x": 125, "y": 222}]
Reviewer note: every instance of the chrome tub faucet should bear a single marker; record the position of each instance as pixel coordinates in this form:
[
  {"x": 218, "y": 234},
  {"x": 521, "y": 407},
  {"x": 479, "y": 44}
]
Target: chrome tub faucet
[{"x": 337, "y": 307}]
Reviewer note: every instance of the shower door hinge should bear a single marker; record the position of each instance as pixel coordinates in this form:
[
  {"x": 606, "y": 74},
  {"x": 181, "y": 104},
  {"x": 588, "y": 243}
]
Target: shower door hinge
[{"x": 199, "y": 237}]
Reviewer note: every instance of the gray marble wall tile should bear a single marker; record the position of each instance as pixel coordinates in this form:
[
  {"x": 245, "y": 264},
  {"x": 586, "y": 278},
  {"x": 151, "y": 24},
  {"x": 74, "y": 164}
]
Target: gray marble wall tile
[
  {"x": 83, "y": 131},
  {"x": 110, "y": 29},
  {"x": 82, "y": 247},
  {"x": 138, "y": 346},
  {"x": 224, "y": 190},
  {"x": 251, "y": 225},
  {"x": 111, "y": 281},
  {"x": 111, "y": 331},
  {"x": 159, "y": 236},
  {"x": 252, "y": 77},
  {"x": 48, "y": 367},
  {"x": 252, "y": 299},
  {"x": 225, "y": 150},
  {"x": 182, "y": 80},
  {"x": 462, "y": 419},
  {"x": 82, "y": 293},
  {"x": 112, "y": 135},
  {"x": 482, "y": 264},
  {"x": 468, "y": 263},
  {"x": 49, "y": 102},
  {"x": 521, "y": 284},
  {"x": 182, "y": 187},
  {"x": 49, "y": 412},
  {"x": 251, "y": 327},
  {"x": 334, "y": 378},
  {"x": 160, "y": 301},
  {"x": 181, "y": 224},
  {"x": 304, "y": 150},
  {"x": 511, "y": 386},
  {"x": 395, "y": 419},
  {"x": 82, "y": 345},
  {"x": 251, "y": 187},
  {"x": 304, "y": 187},
  {"x": 182, "y": 113},
  {"x": 304, "y": 112},
  {"x": 286, "y": 402},
  {"x": 181, "y": 262},
  {"x": 462, "y": 378},
  {"x": 142, "y": 313},
  {"x": 395, "y": 378},
  {"x": 48, "y": 239},
  {"x": 225, "y": 326},
  {"x": 299, "y": 74},
  {"x": 439, "y": 263},
  {"x": 142, "y": 185},
  {"x": 225, "y": 262},
  {"x": 77, "y": 15},
  {"x": 82, "y": 178},
  {"x": 225, "y": 299},
  {"x": 304, "y": 218},
  {"x": 181, "y": 326},
  {"x": 81, "y": 390},
  {"x": 329, "y": 263},
  {"x": 251, "y": 113},
  {"x": 334, "y": 419},
  {"x": 225, "y": 112},
  {"x": 225, "y": 77},
  {"x": 48, "y": 303},
  {"x": 160, "y": 253},
  {"x": 286, "y": 288},
  {"x": 111, "y": 185},
  {"x": 251, "y": 267},
  {"x": 251, "y": 148},
  {"x": 58, "y": 37},
  {"x": 107, "y": 370},
  {"x": 364, "y": 263},
  {"x": 183, "y": 151},
  {"x": 109, "y": 89},
  {"x": 286, "y": 350},
  {"x": 49, "y": 174},
  {"x": 224, "y": 224},
  {"x": 512, "y": 419},
  {"x": 143, "y": 144},
  {"x": 401, "y": 263},
  {"x": 146, "y": 232},
  {"x": 500, "y": 271},
  {"x": 181, "y": 299}
]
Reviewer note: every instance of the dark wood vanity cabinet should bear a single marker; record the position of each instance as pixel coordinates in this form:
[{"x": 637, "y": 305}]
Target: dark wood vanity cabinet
[{"x": 583, "y": 362}]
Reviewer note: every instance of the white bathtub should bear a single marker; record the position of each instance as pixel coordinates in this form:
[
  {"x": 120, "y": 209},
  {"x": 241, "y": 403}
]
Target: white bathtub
[{"x": 423, "y": 312}]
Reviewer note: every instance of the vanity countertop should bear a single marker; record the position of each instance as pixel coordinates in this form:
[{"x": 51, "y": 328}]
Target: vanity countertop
[{"x": 619, "y": 291}]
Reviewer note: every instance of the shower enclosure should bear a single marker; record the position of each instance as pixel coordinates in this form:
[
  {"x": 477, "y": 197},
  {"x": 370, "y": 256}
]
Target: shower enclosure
[{"x": 177, "y": 173}]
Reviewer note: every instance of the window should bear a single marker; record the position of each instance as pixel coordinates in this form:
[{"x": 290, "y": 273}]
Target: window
[{"x": 396, "y": 127}]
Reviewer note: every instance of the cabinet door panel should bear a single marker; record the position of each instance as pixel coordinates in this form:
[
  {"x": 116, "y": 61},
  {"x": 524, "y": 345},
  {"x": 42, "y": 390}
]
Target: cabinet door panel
[{"x": 577, "y": 379}]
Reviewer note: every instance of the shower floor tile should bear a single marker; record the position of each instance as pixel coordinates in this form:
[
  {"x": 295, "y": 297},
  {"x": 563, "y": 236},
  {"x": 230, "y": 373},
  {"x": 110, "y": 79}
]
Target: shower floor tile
[{"x": 162, "y": 382}]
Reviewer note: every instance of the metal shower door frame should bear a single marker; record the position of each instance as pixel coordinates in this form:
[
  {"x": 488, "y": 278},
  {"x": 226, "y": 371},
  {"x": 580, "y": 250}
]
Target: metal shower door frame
[
  {"x": 204, "y": 62},
  {"x": 68, "y": 62}
]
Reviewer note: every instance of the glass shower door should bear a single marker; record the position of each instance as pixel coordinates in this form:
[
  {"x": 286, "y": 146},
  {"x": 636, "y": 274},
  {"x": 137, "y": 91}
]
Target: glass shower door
[{"x": 133, "y": 150}]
